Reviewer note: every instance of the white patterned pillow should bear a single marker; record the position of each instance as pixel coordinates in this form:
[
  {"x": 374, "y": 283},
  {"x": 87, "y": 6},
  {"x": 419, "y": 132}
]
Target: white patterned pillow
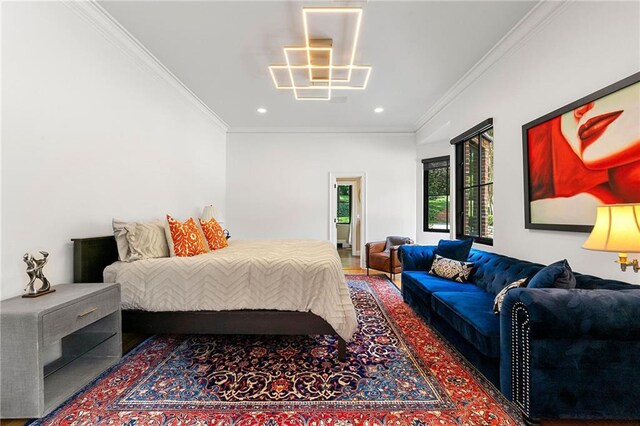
[
  {"x": 120, "y": 233},
  {"x": 140, "y": 240},
  {"x": 451, "y": 269},
  {"x": 497, "y": 302},
  {"x": 146, "y": 240}
]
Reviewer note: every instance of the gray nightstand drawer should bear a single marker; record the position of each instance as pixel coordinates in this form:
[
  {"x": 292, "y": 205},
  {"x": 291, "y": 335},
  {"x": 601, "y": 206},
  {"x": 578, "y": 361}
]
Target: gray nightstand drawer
[
  {"x": 84, "y": 318},
  {"x": 62, "y": 322}
]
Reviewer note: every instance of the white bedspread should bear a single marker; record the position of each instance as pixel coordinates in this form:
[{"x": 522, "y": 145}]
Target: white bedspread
[{"x": 292, "y": 275}]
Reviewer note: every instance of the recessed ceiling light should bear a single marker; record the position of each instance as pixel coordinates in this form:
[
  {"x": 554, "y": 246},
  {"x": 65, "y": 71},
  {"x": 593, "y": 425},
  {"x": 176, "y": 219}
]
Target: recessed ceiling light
[
  {"x": 378, "y": 110},
  {"x": 262, "y": 110}
]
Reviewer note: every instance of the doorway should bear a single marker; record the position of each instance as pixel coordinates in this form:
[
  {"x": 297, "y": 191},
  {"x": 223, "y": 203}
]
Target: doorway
[{"x": 347, "y": 224}]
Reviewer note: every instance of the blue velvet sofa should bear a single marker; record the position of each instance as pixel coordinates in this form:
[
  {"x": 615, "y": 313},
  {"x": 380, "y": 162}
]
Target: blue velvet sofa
[{"x": 555, "y": 353}]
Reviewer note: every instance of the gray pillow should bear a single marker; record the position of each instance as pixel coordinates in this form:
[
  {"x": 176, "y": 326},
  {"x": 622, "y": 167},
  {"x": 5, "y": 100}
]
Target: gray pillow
[{"x": 396, "y": 241}]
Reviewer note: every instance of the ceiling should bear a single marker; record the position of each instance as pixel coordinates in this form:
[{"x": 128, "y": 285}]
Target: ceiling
[{"x": 221, "y": 51}]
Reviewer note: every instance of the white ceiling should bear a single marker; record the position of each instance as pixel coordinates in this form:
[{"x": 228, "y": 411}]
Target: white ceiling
[{"x": 221, "y": 51}]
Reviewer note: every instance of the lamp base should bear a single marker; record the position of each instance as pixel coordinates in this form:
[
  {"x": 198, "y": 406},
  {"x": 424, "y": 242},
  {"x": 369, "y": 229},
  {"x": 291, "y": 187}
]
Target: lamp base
[{"x": 624, "y": 263}]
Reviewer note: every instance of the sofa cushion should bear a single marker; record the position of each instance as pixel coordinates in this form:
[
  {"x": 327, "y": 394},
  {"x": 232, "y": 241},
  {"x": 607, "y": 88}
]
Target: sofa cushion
[
  {"x": 452, "y": 269},
  {"x": 416, "y": 257},
  {"x": 492, "y": 272},
  {"x": 454, "y": 249},
  {"x": 471, "y": 315},
  {"x": 589, "y": 282},
  {"x": 431, "y": 283},
  {"x": 556, "y": 275},
  {"x": 418, "y": 286}
]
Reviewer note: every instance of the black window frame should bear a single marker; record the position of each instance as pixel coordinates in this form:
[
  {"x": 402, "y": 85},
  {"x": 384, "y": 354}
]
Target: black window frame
[
  {"x": 431, "y": 164},
  {"x": 459, "y": 143},
  {"x": 342, "y": 202}
]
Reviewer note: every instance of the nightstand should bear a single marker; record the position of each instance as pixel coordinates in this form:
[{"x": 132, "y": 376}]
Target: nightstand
[{"x": 81, "y": 322}]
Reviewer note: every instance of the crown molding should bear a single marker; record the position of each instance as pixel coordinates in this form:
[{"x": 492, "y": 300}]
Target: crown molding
[
  {"x": 115, "y": 33},
  {"x": 343, "y": 130},
  {"x": 525, "y": 28},
  {"x": 111, "y": 29}
]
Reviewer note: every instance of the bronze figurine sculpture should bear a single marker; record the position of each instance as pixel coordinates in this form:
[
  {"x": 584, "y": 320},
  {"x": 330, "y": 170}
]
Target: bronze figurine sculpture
[{"x": 34, "y": 271}]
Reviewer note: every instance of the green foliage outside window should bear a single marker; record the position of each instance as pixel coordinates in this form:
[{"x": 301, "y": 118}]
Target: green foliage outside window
[
  {"x": 436, "y": 194},
  {"x": 344, "y": 204}
]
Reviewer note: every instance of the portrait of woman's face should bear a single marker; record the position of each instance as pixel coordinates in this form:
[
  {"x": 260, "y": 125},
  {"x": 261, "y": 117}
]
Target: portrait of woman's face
[{"x": 606, "y": 133}]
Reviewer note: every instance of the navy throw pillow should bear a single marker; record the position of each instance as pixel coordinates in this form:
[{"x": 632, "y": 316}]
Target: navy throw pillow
[
  {"x": 454, "y": 249},
  {"x": 556, "y": 275}
]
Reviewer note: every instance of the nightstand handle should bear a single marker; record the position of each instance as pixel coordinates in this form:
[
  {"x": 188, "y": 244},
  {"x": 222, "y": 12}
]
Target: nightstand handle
[{"x": 84, "y": 314}]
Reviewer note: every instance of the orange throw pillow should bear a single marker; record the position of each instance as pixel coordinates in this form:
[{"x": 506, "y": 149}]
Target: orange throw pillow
[
  {"x": 187, "y": 240},
  {"x": 214, "y": 234}
]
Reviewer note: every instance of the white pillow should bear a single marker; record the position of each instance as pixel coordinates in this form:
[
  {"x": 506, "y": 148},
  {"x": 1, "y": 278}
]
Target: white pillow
[
  {"x": 140, "y": 240},
  {"x": 146, "y": 240},
  {"x": 120, "y": 233}
]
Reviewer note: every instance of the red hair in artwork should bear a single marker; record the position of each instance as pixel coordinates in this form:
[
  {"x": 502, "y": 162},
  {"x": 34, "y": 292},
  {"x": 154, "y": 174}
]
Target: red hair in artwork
[{"x": 556, "y": 171}]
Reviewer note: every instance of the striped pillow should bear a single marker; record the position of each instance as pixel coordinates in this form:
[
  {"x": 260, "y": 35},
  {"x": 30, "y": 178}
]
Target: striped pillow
[{"x": 497, "y": 302}]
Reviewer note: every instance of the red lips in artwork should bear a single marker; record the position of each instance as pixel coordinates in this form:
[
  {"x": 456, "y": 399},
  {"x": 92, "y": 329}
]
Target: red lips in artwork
[{"x": 590, "y": 131}]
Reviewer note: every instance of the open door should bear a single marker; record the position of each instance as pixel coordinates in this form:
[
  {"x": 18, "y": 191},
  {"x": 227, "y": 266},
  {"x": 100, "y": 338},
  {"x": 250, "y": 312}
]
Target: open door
[{"x": 347, "y": 224}]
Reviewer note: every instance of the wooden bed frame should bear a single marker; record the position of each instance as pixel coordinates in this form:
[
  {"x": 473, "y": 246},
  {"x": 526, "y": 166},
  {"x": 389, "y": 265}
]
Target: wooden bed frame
[{"x": 92, "y": 255}]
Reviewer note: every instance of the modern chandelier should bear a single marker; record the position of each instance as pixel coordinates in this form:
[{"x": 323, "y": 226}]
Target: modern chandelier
[{"x": 310, "y": 71}]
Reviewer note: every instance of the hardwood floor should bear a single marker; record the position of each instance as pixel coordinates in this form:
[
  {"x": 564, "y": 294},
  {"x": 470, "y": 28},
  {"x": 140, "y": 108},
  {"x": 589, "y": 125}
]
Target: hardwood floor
[
  {"x": 350, "y": 265},
  {"x": 348, "y": 260}
]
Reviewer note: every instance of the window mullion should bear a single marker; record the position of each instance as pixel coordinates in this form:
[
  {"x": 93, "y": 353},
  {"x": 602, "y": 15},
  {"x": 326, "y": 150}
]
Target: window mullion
[
  {"x": 477, "y": 203},
  {"x": 478, "y": 191}
]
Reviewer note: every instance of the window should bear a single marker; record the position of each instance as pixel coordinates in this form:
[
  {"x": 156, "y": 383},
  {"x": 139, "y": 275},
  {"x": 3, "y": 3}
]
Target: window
[
  {"x": 344, "y": 203},
  {"x": 436, "y": 194},
  {"x": 474, "y": 183}
]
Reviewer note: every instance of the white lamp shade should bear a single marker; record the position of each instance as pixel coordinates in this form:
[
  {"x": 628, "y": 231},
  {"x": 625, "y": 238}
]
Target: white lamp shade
[
  {"x": 208, "y": 212},
  {"x": 617, "y": 229}
]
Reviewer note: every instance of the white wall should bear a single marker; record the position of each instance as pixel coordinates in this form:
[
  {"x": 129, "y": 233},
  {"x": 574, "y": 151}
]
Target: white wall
[
  {"x": 89, "y": 134},
  {"x": 582, "y": 48},
  {"x": 278, "y": 184}
]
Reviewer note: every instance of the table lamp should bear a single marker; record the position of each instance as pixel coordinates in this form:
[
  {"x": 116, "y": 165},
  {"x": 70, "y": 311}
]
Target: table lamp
[
  {"x": 208, "y": 212},
  {"x": 617, "y": 229}
]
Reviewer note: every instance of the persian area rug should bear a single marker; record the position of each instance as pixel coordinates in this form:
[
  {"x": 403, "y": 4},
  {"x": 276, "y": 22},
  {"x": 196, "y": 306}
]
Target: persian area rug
[{"x": 397, "y": 372}]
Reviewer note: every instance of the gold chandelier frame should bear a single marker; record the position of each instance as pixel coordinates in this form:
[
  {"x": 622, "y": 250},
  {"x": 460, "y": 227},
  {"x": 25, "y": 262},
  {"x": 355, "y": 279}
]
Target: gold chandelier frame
[{"x": 329, "y": 84}]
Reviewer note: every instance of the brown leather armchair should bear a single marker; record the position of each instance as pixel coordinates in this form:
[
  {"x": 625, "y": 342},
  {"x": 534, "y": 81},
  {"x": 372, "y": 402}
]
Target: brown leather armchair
[{"x": 383, "y": 255}]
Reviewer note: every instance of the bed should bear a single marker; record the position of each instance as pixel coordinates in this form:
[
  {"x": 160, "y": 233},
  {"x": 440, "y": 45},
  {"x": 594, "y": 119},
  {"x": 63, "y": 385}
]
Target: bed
[{"x": 251, "y": 287}]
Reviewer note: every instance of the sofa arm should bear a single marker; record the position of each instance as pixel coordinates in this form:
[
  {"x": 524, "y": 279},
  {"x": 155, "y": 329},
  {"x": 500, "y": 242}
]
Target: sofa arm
[
  {"x": 570, "y": 352},
  {"x": 370, "y": 248},
  {"x": 416, "y": 258},
  {"x": 375, "y": 247},
  {"x": 394, "y": 258},
  {"x": 559, "y": 313}
]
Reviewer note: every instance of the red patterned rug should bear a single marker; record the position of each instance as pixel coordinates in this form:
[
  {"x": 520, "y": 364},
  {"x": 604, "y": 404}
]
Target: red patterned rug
[{"x": 397, "y": 372}]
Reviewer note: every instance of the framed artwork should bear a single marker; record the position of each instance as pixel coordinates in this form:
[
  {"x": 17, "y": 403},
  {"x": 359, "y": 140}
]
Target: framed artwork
[{"x": 583, "y": 155}]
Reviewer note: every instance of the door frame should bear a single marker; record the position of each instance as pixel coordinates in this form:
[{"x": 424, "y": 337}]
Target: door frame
[{"x": 360, "y": 177}]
